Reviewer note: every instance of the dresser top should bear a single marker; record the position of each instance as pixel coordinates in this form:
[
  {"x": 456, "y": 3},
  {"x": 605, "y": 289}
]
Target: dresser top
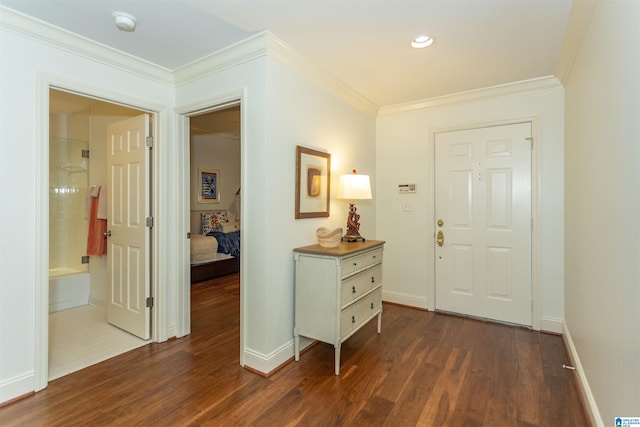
[{"x": 343, "y": 248}]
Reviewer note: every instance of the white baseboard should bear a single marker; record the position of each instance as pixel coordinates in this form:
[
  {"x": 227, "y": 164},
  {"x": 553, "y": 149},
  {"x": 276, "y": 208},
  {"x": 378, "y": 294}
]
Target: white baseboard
[
  {"x": 551, "y": 324},
  {"x": 267, "y": 363},
  {"x": 587, "y": 396},
  {"x": 16, "y": 386},
  {"x": 404, "y": 299}
]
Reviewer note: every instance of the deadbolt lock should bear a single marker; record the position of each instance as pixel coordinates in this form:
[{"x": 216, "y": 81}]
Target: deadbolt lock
[{"x": 440, "y": 223}]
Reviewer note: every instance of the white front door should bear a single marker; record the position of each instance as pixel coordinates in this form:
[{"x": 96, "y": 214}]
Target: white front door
[
  {"x": 483, "y": 222},
  {"x": 128, "y": 247}
]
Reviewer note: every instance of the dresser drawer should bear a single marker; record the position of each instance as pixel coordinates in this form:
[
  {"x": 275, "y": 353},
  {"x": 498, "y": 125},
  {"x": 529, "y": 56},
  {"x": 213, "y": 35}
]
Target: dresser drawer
[
  {"x": 358, "y": 262},
  {"x": 359, "y": 284},
  {"x": 355, "y": 315}
]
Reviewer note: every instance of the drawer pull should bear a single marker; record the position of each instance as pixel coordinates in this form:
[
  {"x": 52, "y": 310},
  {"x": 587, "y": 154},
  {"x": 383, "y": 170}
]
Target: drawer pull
[
  {"x": 373, "y": 279},
  {"x": 353, "y": 289},
  {"x": 353, "y": 319},
  {"x": 371, "y": 306},
  {"x": 355, "y": 264}
]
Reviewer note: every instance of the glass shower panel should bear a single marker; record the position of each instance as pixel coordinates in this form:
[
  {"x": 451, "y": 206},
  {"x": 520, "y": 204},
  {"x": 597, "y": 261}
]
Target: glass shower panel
[{"x": 68, "y": 225}]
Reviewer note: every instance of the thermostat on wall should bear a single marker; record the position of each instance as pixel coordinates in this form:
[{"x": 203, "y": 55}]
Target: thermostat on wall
[{"x": 406, "y": 188}]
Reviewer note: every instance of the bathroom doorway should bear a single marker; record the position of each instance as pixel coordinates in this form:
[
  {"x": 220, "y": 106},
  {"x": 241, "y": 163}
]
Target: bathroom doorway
[{"x": 79, "y": 289}]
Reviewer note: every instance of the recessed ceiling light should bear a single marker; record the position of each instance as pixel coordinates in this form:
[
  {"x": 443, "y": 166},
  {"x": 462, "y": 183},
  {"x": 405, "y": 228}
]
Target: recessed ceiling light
[
  {"x": 124, "y": 21},
  {"x": 422, "y": 41}
]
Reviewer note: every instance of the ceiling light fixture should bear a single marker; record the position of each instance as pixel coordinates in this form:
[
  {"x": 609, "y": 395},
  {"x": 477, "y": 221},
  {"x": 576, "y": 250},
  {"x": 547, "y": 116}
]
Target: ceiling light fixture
[
  {"x": 422, "y": 41},
  {"x": 125, "y": 21}
]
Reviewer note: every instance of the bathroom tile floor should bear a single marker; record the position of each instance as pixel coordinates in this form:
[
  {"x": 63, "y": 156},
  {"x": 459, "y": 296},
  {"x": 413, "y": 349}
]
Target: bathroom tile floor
[{"x": 80, "y": 337}]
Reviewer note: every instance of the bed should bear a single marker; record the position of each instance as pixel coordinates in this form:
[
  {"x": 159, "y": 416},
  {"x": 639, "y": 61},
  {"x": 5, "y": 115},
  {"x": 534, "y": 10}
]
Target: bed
[{"x": 215, "y": 251}]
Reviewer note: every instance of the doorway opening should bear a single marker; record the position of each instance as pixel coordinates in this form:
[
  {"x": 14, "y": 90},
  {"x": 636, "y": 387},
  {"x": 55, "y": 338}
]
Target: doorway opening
[
  {"x": 78, "y": 332},
  {"x": 215, "y": 198}
]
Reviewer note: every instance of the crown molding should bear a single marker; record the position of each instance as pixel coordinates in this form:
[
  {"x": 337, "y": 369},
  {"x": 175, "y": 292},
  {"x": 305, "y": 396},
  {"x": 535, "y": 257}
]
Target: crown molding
[
  {"x": 280, "y": 51},
  {"x": 499, "y": 91},
  {"x": 265, "y": 44},
  {"x": 581, "y": 13},
  {"x": 35, "y": 29},
  {"x": 238, "y": 53}
]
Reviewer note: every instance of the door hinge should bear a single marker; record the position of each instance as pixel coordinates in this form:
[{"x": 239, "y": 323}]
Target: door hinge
[
  {"x": 149, "y": 302},
  {"x": 188, "y": 235},
  {"x": 531, "y": 141},
  {"x": 531, "y": 224},
  {"x": 531, "y": 305},
  {"x": 86, "y": 154},
  {"x": 149, "y": 141},
  {"x": 84, "y": 259},
  {"x": 149, "y": 221}
]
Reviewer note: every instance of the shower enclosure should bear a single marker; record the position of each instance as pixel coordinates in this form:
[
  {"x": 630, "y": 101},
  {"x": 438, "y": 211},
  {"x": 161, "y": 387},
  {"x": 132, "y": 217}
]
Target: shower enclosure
[{"x": 68, "y": 225}]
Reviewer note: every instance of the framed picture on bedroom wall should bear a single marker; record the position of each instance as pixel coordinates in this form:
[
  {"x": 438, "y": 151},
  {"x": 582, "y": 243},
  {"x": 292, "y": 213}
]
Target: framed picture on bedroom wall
[
  {"x": 312, "y": 183},
  {"x": 208, "y": 185}
]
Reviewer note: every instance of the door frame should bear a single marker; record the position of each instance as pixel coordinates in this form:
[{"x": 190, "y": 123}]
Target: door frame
[
  {"x": 183, "y": 293},
  {"x": 41, "y": 267},
  {"x": 535, "y": 213}
]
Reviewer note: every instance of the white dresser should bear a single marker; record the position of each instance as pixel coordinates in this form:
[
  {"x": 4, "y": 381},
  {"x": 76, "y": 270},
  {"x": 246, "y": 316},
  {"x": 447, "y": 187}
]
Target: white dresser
[{"x": 338, "y": 290}]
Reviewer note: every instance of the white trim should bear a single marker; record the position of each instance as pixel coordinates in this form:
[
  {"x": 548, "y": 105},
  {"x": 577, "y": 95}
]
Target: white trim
[
  {"x": 236, "y": 54},
  {"x": 60, "y": 38},
  {"x": 16, "y": 386},
  {"x": 535, "y": 213},
  {"x": 158, "y": 284},
  {"x": 581, "y": 12},
  {"x": 404, "y": 299},
  {"x": 266, "y": 44},
  {"x": 279, "y": 50},
  {"x": 551, "y": 324},
  {"x": 493, "y": 92},
  {"x": 583, "y": 383},
  {"x": 267, "y": 363}
]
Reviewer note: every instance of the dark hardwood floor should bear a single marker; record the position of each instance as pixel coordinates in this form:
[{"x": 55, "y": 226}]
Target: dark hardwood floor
[{"x": 425, "y": 369}]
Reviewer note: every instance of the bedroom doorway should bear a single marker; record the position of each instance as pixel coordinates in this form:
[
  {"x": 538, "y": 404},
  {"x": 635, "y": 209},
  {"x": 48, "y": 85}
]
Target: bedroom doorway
[{"x": 215, "y": 190}]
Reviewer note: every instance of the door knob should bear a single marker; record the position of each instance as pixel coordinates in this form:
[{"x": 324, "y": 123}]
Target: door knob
[
  {"x": 107, "y": 233},
  {"x": 440, "y": 238}
]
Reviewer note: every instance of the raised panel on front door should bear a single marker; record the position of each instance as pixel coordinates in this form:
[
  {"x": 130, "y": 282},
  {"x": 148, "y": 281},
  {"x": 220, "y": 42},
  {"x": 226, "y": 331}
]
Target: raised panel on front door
[
  {"x": 499, "y": 198},
  {"x": 462, "y": 268},
  {"x": 499, "y": 278},
  {"x": 461, "y": 198}
]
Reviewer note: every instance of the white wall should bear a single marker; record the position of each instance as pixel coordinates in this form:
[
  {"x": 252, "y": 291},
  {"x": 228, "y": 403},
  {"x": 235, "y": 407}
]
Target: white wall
[
  {"x": 23, "y": 261},
  {"x": 281, "y": 108},
  {"x": 602, "y": 154},
  {"x": 405, "y": 155}
]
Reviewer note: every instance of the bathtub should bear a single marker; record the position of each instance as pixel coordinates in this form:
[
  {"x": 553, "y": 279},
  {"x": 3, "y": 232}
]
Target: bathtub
[{"x": 68, "y": 288}]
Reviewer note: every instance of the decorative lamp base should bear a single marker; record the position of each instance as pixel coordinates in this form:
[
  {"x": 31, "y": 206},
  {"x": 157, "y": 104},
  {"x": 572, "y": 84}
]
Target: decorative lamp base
[{"x": 353, "y": 226}]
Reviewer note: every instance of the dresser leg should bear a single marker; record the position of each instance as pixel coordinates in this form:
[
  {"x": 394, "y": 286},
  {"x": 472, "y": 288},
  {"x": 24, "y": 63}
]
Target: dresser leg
[
  {"x": 379, "y": 322},
  {"x": 337, "y": 357}
]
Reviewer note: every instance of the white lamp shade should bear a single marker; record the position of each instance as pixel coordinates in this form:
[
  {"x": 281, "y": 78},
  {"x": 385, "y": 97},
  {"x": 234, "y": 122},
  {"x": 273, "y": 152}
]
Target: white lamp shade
[{"x": 354, "y": 187}]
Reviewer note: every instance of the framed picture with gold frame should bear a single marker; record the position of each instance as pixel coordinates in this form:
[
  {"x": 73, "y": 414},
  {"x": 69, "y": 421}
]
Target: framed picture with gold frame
[{"x": 313, "y": 177}]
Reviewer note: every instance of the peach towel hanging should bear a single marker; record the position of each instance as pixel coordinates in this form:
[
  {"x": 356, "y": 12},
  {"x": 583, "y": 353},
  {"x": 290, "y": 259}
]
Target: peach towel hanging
[{"x": 96, "y": 240}]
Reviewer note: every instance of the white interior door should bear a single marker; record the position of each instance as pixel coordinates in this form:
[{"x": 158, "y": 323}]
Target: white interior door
[
  {"x": 128, "y": 248},
  {"x": 483, "y": 222}
]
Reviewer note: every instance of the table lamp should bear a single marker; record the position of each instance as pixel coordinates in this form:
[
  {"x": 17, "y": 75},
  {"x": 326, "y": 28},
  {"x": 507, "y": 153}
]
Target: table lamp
[{"x": 354, "y": 187}]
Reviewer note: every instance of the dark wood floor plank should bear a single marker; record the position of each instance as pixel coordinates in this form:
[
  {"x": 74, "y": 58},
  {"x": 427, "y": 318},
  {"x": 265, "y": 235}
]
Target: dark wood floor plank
[{"x": 424, "y": 368}]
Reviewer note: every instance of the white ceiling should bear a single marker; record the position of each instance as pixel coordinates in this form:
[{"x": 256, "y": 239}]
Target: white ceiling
[{"x": 364, "y": 43}]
